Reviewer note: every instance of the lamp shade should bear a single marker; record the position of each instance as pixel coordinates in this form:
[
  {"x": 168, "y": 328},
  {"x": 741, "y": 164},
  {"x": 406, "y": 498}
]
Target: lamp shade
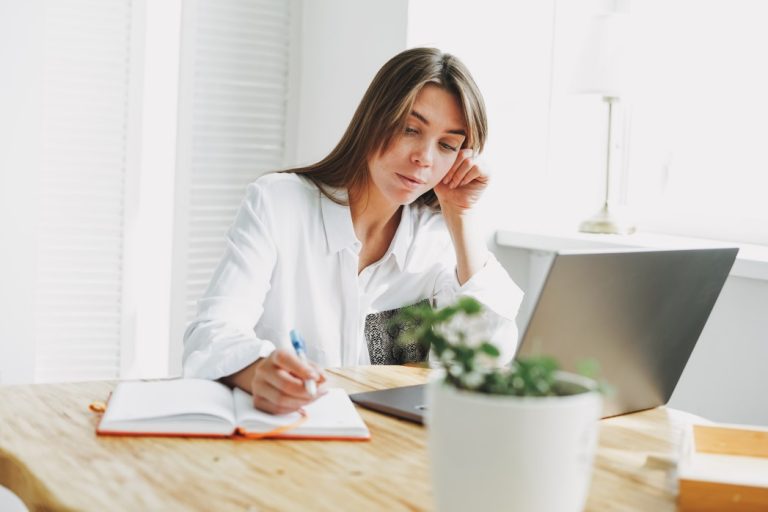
[{"x": 601, "y": 66}]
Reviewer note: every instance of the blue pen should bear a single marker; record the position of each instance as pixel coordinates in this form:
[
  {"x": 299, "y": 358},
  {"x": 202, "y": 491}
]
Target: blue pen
[{"x": 298, "y": 345}]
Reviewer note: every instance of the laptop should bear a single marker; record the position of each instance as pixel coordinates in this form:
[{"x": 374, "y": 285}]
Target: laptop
[{"x": 637, "y": 312}]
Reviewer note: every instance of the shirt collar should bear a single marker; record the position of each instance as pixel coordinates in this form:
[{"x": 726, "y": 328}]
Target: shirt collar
[
  {"x": 337, "y": 222},
  {"x": 340, "y": 233},
  {"x": 403, "y": 235}
]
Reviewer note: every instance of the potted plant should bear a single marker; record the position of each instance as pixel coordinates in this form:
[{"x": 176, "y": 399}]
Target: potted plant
[{"x": 517, "y": 437}]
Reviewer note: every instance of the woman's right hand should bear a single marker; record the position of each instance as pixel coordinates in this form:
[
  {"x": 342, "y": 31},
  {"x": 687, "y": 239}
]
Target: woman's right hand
[{"x": 277, "y": 382}]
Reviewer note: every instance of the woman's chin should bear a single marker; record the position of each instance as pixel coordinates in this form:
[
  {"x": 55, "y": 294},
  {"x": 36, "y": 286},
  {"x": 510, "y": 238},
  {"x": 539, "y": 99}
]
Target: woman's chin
[
  {"x": 402, "y": 197},
  {"x": 408, "y": 198}
]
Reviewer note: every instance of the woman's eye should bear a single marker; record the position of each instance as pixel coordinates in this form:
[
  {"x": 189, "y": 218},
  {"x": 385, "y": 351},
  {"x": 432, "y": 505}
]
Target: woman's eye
[
  {"x": 448, "y": 146},
  {"x": 410, "y": 130}
]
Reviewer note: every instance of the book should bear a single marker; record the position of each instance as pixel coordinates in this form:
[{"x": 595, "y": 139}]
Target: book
[
  {"x": 206, "y": 408},
  {"x": 723, "y": 467}
]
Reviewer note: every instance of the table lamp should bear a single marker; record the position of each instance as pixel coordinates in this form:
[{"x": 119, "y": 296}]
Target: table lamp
[{"x": 600, "y": 71}]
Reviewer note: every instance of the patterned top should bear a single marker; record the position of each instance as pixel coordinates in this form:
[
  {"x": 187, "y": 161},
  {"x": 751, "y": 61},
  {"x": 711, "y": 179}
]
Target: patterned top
[{"x": 382, "y": 338}]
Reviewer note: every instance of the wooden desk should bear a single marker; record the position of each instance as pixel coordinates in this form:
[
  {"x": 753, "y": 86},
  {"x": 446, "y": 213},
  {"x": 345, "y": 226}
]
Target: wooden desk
[{"x": 52, "y": 459}]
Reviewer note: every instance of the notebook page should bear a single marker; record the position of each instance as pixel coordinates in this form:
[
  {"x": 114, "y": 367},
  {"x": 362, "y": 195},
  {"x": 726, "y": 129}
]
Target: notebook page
[
  {"x": 329, "y": 415},
  {"x": 169, "y": 398}
]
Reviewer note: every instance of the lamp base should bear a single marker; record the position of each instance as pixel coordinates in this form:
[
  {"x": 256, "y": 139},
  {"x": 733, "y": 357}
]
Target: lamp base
[{"x": 605, "y": 222}]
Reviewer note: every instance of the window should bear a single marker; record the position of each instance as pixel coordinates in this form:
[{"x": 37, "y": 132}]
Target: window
[{"x": 698, "y": 162}]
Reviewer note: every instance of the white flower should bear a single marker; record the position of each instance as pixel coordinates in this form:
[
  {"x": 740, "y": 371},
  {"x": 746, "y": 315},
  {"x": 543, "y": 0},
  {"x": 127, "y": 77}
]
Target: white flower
[
  {"x": 463, "y": 329},
  {"x": 483, "y": 360},
  {"x": 456, "y": 370},
  {"x": 472, "y": 379}
]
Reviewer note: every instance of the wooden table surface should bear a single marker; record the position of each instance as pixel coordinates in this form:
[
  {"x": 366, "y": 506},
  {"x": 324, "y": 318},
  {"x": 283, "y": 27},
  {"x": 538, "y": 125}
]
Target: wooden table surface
[{"x": 52, "y": 459}]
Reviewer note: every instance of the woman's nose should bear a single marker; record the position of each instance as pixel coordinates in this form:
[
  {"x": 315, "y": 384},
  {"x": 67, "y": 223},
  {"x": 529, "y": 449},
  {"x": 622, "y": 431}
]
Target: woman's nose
[{"x": 422, "y": 154}]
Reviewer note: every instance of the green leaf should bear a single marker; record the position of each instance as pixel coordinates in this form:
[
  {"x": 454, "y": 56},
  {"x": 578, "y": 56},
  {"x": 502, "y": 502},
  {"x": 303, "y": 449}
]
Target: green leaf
[
  {"x": 470, "y": 306},
  {"x": 490, "y": 349},
  {"x": 588, "y": 368}
]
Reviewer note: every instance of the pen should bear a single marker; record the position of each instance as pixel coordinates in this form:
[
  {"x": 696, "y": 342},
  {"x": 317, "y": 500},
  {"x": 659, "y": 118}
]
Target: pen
[{"x": 298, "y": 345}]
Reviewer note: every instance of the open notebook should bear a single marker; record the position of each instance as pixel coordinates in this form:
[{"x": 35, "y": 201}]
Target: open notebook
[{"x": 198, "y": 407}]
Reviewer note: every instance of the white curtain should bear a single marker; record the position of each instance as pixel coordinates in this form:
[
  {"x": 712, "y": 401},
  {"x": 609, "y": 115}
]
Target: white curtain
[
  {"x": 83, "y": 177},
  {"x": 234, "y": 89}
]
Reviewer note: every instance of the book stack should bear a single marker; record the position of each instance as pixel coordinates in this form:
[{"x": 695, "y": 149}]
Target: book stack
[{"x": 724, "y": 467}]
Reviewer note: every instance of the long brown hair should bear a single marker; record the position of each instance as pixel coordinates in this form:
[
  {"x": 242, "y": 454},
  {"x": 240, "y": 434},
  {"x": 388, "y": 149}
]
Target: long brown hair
[{"x": 382, "y": 114}]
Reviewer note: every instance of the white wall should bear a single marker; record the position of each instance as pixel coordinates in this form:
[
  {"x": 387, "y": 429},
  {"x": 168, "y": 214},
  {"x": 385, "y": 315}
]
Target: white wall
[
  {"x": 726, "y": 378},
  {"x": 150, "y": 225},
  {"x": 343, "y": 44},
  {"x": 20, "y": 125},
  {"x": 515, "y": 82},
  {"x": 20, "y": 98}
]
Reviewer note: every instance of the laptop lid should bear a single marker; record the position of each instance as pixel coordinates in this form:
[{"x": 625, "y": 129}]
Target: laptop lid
[{"x": 637, "y": 312}]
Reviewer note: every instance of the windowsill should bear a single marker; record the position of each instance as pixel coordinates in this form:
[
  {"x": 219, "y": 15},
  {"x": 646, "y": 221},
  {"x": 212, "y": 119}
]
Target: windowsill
[{"x": 751, "y": 262}]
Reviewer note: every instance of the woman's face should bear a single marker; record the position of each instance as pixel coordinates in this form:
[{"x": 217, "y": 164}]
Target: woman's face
[{"x": 420, "y": 157}]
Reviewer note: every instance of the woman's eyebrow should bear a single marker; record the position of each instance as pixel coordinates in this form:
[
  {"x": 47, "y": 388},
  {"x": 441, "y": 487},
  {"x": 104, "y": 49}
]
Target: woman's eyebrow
[{"x": 424, "y": 120}]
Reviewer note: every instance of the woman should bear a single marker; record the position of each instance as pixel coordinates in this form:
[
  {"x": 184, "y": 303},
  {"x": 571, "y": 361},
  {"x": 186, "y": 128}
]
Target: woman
[{"x": 334, "y": 249}]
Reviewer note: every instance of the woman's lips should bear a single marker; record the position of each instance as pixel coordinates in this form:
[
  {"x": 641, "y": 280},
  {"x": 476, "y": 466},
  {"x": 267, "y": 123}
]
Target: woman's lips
[{"x": 410, "y": 183}]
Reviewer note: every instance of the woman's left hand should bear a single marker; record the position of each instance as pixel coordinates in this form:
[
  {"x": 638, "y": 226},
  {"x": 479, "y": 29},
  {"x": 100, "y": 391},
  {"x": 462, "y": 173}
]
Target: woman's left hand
[{"x": 463, "y": 185}]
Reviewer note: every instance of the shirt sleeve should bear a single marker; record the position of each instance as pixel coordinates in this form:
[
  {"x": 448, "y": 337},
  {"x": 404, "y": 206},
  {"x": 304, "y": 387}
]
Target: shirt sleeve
[
  {"x": 492, "y": 287},
  {"x": 221, "y": 340}
]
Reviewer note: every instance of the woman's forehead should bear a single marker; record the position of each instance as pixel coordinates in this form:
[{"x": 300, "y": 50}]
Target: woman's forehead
[{"x": 437, "y": 106}]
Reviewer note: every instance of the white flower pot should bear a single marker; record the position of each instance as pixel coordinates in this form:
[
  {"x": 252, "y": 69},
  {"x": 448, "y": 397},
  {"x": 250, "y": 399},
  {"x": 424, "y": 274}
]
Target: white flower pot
[{"x": 511, "y": 453}]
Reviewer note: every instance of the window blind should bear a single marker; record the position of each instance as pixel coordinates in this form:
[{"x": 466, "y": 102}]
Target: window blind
[
  {"x": 234, "y": 83},
  {"x": 82, "y": 188}
]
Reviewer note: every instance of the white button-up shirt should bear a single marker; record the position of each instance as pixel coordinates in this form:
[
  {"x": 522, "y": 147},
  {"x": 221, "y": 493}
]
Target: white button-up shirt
[{"x": 291, "y": 262}]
